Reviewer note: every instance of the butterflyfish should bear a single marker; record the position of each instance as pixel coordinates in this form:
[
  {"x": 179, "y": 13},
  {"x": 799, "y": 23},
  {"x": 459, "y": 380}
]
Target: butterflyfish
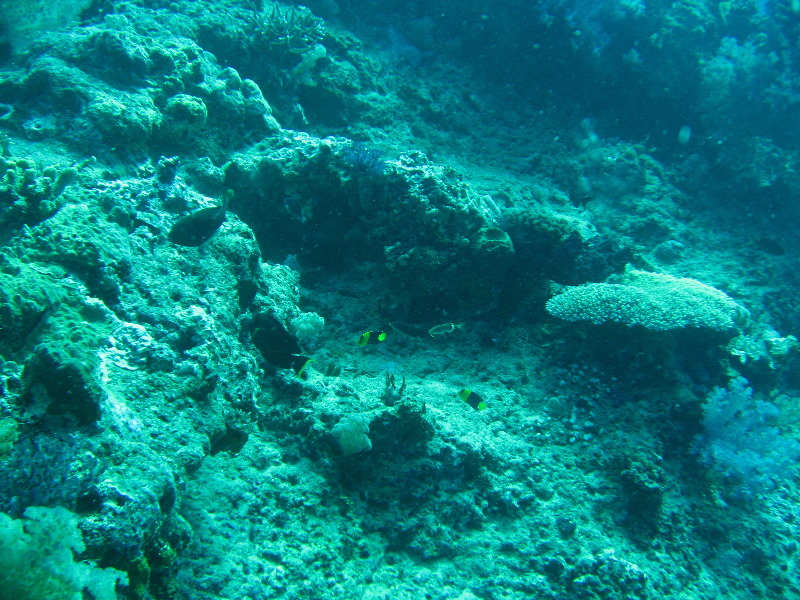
[
  {"x": 473, "y": 399},
  {"x": 370, "y": 337}
]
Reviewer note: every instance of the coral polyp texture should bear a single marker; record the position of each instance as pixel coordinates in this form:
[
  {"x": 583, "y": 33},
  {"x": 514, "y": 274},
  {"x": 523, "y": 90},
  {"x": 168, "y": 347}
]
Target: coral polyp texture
[{"x": 654, "y": 301}]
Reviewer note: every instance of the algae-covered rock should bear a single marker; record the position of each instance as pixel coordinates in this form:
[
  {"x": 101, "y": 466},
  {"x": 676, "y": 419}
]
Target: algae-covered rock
[
  {"x": 26, "y": 295},
  {"x": 8, "y": 435},
  {"x": 29, "y": 194},
  {"x": 494, "y": 241},
  {"x": 39, "y": 558},
  {"x": 61, "y": 373},
  {"x": 23, "y": 20},
  {"x": 86, "y": 243},
  {"x": 185, "y": 115},
  {"x": 89, "y": 84},
  {"x": 123, "y": 118},
  {"x": 654, "y": 301},
  {"x": 337, "y": 204}
]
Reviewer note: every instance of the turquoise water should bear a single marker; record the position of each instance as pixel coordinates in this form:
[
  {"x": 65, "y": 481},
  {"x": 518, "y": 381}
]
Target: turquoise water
[{"x": 382, "y": 299}]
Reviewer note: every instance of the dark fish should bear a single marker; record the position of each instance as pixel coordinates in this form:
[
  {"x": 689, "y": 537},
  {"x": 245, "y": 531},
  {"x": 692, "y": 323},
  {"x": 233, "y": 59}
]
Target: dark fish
[
  {"x": 370, "y": 337},
  {"x": 300, "y": 365},
  {"x": 472, "y": 399},
  {"x": 197, "y": 228},
  {"x": 277, "y": 346}
]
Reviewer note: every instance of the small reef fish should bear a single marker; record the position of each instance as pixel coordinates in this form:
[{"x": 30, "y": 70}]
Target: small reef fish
[
  {"x": 472, "y": 399},
  {"x": 444, "y": 328},
  {"x": 197, "y": 228},
  {"x": 300, "y": 365},
  {"x": 277, "y": 346},
  {"x": 370, "y": 337}
]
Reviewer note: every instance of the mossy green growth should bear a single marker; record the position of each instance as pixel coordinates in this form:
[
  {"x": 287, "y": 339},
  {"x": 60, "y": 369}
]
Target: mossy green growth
[
  {"x": 37, "y": 559},
  {"x": 23, "y": 21},
  {"x": 29, "y": 194},
  {"x": 8, "y": 435},
  {"x": 654, "y": 301},
  {"x": 61, "y": 372},
  {"x": 26, "y": 295}
]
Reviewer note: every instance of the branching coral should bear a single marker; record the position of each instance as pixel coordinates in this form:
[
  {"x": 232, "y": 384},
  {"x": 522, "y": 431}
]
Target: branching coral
[{"x": 292, "y": 29}]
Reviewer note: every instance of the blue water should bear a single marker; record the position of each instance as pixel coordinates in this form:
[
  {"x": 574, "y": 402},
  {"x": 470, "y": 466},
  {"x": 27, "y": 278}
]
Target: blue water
[{"x": 387, "y": 299}]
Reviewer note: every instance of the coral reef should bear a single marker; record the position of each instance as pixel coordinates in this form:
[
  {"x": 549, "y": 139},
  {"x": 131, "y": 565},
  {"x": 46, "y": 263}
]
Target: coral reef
[
  {"x": 38, "y": 558},
  {"x": 741, "y": 441},
  {"x": 391, "y": 299},
  {"x": 654, "y": 301}
]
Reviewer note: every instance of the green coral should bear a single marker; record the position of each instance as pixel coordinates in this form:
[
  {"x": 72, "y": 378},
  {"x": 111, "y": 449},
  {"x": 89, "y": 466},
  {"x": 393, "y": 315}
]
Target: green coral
[
  {"x": 8, "y": 435},
  {"x": 22, "y": 21},
  {"x": 61, "y": 372},
  {"x": 37, "y": 559},
  {"x": 291, "y": 29},
  {"x": 87, "y": 243},
  {"x": 29, "y": 194},
  {"x": 185, "y": 116},
  {"x": 26, "y": 295},
  {"x": 654, "y": 301}
]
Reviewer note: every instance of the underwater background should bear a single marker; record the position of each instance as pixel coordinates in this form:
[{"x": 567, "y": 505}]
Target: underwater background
[{"x": 394, "y": 299}]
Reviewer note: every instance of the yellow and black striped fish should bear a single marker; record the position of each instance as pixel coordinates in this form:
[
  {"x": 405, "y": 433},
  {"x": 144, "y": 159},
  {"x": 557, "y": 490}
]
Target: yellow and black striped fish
[
  {"x": 473, "y": 399},
  {"x": 370, "y": 337}
]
